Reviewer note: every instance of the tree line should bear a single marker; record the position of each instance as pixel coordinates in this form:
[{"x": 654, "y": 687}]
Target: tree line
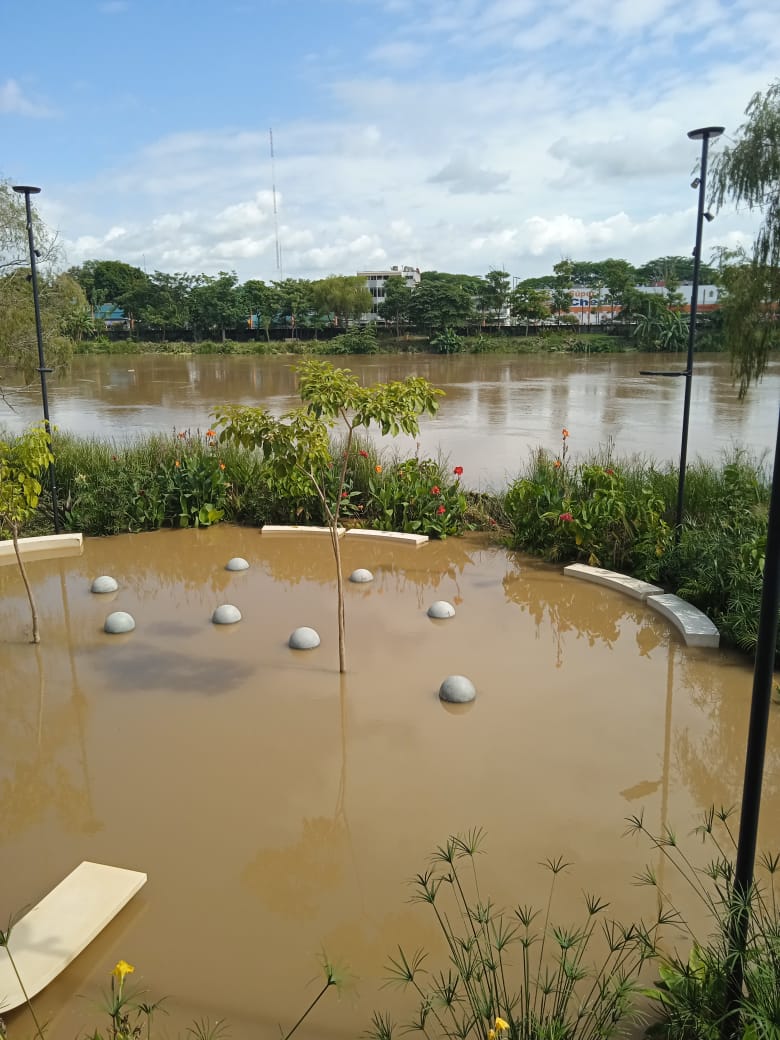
[{"x": 193, "y": 306}]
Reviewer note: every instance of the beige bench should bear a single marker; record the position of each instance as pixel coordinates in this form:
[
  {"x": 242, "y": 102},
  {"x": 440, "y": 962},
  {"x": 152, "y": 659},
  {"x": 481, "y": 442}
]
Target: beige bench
[{"x": 56, "y": 930}]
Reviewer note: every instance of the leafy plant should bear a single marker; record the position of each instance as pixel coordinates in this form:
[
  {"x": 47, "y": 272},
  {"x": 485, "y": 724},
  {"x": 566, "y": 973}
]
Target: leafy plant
[
  {"x": 691, "y": 997},
  {"x": 416, "y": 495},
  {"x": 21, "y": 464},
  {"x": 297, "y": 446},
  {"x": 520, "y": 974}
]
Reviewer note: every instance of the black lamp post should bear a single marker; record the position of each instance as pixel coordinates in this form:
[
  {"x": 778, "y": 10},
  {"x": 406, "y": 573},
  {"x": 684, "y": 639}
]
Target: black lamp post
[
  {"x": 704, "y": 134},
  {"x": 27, "y": 190}
]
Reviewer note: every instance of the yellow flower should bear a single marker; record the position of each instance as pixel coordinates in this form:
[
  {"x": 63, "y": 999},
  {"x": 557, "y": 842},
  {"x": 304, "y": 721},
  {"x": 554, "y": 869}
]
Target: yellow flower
[
  {"x": 177, "y": 464},
  {"x": 491, "y": 1034},
  {"x": 501, "y": 1025},
  {"x": 122, "y": 969}
]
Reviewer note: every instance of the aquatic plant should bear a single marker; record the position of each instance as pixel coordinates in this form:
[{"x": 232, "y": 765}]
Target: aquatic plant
[{"x": 516, "y": 974}]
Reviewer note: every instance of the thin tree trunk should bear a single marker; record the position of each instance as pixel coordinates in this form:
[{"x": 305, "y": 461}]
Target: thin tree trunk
[{"x": 36, "y": 638}]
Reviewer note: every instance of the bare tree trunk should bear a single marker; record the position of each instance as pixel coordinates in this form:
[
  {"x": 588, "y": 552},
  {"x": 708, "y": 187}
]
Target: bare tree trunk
[{"x": 36, "y": 638}]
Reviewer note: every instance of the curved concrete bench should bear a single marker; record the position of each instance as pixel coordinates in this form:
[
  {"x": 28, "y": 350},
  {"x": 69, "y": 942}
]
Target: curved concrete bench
[
  {"x": 622, "y": 582},
  {"x": 56, "y": 930},
  {"x": 45, "y": 546},
  {"x": 388, "y": 536},
  {"x": 694, "y": 626},
  {"x": 296, "y": 529}
]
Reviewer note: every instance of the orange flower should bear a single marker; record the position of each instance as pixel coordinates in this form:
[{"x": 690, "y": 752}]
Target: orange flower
[
  {"x": 378, "y": 469},
  {"x": 222, "y": 465},
  {"x": 557, "y": 464},
  {"x": 211, "y": 433},
  {"x": 564, "y": 433},
  {"x": 182, "y": 434},
  {"x": 177, "y": 464}
]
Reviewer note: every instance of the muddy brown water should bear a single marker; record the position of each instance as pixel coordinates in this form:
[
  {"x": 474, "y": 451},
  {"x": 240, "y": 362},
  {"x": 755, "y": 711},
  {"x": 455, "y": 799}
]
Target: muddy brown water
[
  {"x": 496, "y": 409},
  {"x": 279, "y": 809}
]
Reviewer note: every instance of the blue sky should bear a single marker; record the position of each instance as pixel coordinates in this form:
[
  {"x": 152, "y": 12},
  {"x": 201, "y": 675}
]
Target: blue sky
[{"x": 449, "y": 134}]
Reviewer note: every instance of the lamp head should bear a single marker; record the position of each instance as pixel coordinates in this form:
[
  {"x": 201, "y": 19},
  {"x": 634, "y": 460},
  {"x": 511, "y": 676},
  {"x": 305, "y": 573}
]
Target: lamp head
[
  {"x": 706, "y": 131},
  {"x": 709, "y": 217},
  {"x": 26, "y": 189},
  {"x": 696, "y": 182}
]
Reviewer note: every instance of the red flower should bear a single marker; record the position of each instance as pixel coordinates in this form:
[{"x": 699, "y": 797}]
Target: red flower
[
  {"x": 458, "y": 471},
  {"x": 435, "y": 490},
  {"x": 344, "y": 494},
  {"x": 567, "y": 517},
  {"x": 610, "y": 472},
  {"x": 441, "y": 510},
  {"x": 363, "y": 454}
]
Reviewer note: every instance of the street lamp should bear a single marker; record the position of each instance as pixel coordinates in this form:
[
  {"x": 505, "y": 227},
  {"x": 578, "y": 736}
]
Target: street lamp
[
  {"x": 704, "y": 134},
  {"x": 27, "y": 190}
]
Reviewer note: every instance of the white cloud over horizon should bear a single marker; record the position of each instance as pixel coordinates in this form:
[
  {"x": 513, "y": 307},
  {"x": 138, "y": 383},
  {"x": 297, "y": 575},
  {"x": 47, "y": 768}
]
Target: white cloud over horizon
[{"x": 452, "y": 143}]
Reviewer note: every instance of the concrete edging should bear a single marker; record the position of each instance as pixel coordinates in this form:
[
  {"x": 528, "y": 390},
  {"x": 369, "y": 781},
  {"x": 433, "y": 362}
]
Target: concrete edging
[
  {"x": 694, "y": 625},
  {"x": 45, "y": 545},
  {"x": 388, "y": 536},
  {"x": 296, "y": 529}
]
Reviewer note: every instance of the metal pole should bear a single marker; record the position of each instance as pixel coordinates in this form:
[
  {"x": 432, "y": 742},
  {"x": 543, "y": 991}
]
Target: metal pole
[
  {"x": 27, "y": 191},
  {"x": 704, "y": 135},
  {"x": 766, "y": 648}
]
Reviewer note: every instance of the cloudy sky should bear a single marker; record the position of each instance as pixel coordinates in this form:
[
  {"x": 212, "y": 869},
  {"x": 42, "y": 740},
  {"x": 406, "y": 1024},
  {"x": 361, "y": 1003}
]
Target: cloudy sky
[{"x": 451, "y": 134}]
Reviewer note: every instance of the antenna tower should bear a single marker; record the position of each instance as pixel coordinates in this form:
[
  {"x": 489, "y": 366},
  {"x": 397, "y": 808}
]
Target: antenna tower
[{"x": 276, "y": 213}]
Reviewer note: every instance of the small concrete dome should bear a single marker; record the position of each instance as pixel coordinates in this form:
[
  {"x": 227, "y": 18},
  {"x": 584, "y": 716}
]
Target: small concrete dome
[
  {"x": 303, "y": 639},
  {"x": 119, "y": 622},
  {"x": 457, "y": 689},
  {"x": 226, "y": 614},
  {"x": 361, "y": 575},
  {"x": 105, "y": 583},
  {"x": 238, "y": 563},
  {"x": 441, "y": 609}
]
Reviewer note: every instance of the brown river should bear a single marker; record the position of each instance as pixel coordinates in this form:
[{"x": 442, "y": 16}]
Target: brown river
[
  {"x": 497, "y": 409},
  {"x": 280, "y": 810}
]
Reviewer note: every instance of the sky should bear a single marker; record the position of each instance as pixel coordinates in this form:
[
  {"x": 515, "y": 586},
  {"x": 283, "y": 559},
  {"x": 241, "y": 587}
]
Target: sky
[{"x": 456, "y": 135}]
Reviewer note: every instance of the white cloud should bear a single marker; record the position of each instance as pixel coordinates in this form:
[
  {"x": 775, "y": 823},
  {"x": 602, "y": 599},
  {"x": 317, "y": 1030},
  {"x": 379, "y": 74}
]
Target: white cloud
[{"x": 14, "y": 102}]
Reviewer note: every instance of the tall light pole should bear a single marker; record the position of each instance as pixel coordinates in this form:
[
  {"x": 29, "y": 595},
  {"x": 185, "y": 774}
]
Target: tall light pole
[
  {"x": 704, "y": 134},
  {"x": 27, "y": 190}
]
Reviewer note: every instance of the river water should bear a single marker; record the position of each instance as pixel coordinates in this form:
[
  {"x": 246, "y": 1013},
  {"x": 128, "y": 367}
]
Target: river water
[
  {"x": 496, "y": 410},
  {"x": 280, "y": 809}
]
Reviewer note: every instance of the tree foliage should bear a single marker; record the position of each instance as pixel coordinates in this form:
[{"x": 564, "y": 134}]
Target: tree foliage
[
  {"x": 22, "y": 461},
  {"x": 298, "y": 447},
  {"x": 747, "y": 173}
]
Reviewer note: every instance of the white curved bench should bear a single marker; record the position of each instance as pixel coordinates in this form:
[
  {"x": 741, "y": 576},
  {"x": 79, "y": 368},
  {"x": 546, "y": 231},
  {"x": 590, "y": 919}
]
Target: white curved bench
[
  {"x": 695, "y": 627},
  {"x": 613, "y": 580},
  {"x": 56, "y": 930}
]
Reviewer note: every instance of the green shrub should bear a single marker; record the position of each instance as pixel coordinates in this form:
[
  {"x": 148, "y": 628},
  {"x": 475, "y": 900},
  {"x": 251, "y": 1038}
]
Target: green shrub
[{"x": 418, "y": 496}]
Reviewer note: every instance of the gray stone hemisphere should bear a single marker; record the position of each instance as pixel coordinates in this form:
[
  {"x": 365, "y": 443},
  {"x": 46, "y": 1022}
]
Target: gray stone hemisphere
[
  {"x": 238, "y": 563},
  {"x": 441, "y": 609},
  {"x": 361, "y": 575},
  {"x": 303, "y": 639},
  {"x": 119, "y": 622},
  {"x": 105, "y": 583},
  {"x": 457, "y": 689},
  {"x": 226, "y": 614}
]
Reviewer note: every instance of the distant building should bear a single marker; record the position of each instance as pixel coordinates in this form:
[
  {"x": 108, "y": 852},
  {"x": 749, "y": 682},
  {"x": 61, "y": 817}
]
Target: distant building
[
  {"x": 111, "y": 317},
  {"x": 591, "y": 307},
  {"x": 376, "y": 280}
]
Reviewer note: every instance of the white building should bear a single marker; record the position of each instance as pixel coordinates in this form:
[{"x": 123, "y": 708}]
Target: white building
[
  {"x": 591, "y": 306},
  {"x": 376, "y": 280}
]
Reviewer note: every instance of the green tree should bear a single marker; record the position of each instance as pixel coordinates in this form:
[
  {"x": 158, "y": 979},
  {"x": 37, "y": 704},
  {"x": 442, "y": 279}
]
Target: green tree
[
  {"x": 344, "y": 296},
  {"x": 261, "y": 300},
  {"x": 294, "y": 296},
  {"x": 397, "y": 301},
  {"x": 21, "y": 463},
  {"x": 112, "y": 281},
  {"x": 619, "y": 279},
  {"x": 529, "y": 304},
  {"x": 438, "y": 304},
  {"x": 167, "y": 302},
  {"x": 298, "y": 448},
  {"x": 62, "y": 304},
  {"x": 747, "y": 173},
  {"x": 216, "y": 304},
  {"x": 494, "y": 294}
]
